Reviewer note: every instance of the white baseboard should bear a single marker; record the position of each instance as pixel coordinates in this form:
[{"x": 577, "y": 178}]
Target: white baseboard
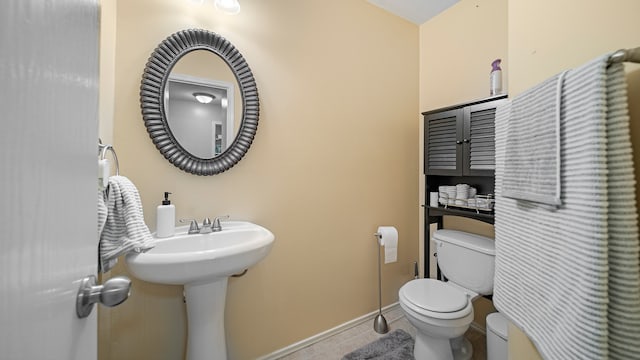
[
  {"x": 477, "y": 327},
  {"x": 326, "y": 334}
]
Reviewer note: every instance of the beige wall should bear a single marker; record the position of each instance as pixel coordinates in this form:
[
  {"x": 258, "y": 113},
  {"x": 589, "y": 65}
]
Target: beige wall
[
  {"x": 536, "y": 40},
  {"x": 456, "y": 51},
  {"x": 334, "y": 158}
]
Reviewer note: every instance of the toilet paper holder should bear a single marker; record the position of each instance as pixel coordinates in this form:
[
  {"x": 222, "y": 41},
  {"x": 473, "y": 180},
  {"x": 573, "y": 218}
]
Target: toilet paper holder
[{"x": 379, "y": 323}]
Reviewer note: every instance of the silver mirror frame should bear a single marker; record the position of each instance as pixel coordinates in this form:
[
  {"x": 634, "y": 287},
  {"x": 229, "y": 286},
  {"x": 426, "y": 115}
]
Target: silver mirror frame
[{"x": 154, "y": 79}]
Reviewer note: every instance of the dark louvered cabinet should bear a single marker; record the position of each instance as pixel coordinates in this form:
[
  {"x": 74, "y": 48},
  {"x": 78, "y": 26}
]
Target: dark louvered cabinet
[
  {"x": 443, "y": 139},
  {"x": 459, "y": 148},
  {"x": 459, "y": 141}
]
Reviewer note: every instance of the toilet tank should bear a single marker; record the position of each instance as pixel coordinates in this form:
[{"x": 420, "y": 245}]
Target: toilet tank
[{"x": 466, "y": 259}]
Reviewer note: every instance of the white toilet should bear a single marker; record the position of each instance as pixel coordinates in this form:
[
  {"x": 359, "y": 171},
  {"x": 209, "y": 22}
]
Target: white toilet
[{"x": 442, "y": 311}]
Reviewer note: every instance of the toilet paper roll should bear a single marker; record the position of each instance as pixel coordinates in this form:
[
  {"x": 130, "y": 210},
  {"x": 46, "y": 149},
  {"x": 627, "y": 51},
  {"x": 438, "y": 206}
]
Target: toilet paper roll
[{"x": 389, "y": 239}]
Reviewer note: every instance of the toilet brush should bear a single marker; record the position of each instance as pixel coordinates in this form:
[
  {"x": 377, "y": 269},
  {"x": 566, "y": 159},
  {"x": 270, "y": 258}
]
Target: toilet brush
[{"x": 379, "y": 323}]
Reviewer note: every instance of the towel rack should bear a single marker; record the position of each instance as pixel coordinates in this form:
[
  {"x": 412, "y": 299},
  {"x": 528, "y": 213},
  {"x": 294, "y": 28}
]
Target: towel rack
[
  {"x": 625, "y": 55},
  {"x": 102, "y": 151}
]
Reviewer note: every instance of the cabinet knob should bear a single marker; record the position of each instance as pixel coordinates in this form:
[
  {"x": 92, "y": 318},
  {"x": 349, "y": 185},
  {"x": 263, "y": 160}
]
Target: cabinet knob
[
  {"x": 465, "y": 140},
  {"x": 458, "y": 142}
]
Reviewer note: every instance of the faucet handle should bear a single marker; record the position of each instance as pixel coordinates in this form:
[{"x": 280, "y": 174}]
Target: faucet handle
[
  {"x": 206, "y": 222},
  {"x": 216, "y": 222},
  {"x": 193, "y": 226}
]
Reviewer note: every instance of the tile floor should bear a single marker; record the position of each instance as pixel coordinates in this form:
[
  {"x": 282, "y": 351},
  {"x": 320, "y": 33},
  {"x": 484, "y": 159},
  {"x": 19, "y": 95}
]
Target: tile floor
[{"x": 335, "y": 347}]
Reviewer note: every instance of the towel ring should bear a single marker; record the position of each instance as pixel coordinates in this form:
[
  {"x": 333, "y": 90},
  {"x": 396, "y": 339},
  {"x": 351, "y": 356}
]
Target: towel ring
[{"x": 103, "y": 153}]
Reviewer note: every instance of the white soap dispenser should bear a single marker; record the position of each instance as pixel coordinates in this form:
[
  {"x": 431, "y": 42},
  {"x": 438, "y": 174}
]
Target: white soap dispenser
[{"x": 165, "y": 218}]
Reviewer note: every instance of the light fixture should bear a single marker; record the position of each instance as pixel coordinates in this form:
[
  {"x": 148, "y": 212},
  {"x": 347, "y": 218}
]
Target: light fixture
[
  {"x": 203, "y": 98},
  {"x": 231, "y": 7}
]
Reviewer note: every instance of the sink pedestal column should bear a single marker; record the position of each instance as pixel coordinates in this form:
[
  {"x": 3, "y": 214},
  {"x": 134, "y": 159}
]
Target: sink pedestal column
[{"x": 205, "y": 320}]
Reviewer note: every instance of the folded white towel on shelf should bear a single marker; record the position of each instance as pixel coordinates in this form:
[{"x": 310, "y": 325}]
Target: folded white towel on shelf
[
  {"x": 123, "y": 227},
  {"x": 569, "y": 277}
]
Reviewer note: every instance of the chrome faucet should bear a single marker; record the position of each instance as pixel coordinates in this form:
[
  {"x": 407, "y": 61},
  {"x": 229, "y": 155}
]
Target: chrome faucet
[
  {"x": 207, "y": 225},
  {"x": 193, "y": 226},
  {"x": 216, "y": 223}
]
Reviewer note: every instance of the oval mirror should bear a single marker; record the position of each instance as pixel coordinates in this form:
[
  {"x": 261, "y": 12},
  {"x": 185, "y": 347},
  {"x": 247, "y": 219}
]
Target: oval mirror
[{"x": 199, "y": 102}]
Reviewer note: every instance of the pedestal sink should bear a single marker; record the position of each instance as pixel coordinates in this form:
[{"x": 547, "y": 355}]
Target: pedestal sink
[{"x": 202, "y": 263}]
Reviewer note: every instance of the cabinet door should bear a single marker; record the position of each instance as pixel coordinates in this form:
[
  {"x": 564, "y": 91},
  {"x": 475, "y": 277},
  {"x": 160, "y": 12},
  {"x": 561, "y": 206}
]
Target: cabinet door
[
  {"x": 479, "y": 139},
  {"x": 442, "y": 136}
]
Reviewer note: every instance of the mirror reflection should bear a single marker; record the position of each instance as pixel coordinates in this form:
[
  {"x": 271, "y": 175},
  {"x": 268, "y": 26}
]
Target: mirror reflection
[
  {"x": 200, "y": 114},
  {"x": 197, "y": 139},
  {"x": 200, "y": 104}
]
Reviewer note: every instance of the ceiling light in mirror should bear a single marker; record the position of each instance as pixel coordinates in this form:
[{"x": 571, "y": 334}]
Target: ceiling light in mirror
[
  {"x": 228, "y": 6},
  {"x": 203, "y": 98}
]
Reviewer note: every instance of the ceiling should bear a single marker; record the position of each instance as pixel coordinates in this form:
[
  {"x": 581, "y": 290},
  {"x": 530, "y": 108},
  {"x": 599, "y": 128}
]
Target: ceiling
[{"x": 416, "y": 11}]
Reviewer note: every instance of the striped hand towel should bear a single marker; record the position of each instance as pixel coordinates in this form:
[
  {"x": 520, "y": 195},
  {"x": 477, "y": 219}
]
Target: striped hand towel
[
  {"x": 124, "y": 228},
  {"x": 569, "y": 277},
  {"x": 103, "y": 212},
  {"x": 532, "y": 166}
]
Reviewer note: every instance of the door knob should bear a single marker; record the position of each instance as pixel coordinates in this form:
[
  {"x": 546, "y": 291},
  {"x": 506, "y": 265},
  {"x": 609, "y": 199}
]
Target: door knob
[{"x": 113, "y": 292}]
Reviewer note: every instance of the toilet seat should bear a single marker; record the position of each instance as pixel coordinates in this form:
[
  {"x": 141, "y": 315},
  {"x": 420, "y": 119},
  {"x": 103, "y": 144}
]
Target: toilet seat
[
  {"x": 435, "y": 299},
  {"x": 436, "y": 296}
]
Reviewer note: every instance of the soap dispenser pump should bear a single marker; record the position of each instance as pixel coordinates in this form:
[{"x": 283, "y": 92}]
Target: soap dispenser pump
[{"x": 165, "y": 218}]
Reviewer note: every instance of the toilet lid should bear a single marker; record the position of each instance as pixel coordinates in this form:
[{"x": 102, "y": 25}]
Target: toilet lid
[{"x": 435, "y": 296}]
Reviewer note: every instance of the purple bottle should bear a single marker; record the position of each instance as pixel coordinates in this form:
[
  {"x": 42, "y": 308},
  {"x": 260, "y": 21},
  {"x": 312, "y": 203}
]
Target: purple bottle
[{"x": 495, "y": 78}]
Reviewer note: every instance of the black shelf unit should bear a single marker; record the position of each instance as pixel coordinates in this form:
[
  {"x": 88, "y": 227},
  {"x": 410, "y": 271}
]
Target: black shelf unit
[{"x": 459, "y": 147}]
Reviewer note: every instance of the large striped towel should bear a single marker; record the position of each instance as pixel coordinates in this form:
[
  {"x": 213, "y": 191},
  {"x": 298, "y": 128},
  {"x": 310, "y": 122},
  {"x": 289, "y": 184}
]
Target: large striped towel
[
  {"x": 569, "y": 277},
  {"x": 124, "y": 229}
]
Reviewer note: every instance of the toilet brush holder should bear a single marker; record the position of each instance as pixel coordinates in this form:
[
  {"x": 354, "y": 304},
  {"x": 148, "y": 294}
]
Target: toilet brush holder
[{"x": 379, "y": 323}]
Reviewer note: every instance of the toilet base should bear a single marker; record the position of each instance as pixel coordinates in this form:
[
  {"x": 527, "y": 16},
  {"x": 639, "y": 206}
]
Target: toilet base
[
  {"x": 428, "y": 348},
  {"x": 462, "y": 350}
]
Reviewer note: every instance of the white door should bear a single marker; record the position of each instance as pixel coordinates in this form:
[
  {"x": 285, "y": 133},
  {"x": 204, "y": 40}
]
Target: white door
[{"x": 48, "y": 167}]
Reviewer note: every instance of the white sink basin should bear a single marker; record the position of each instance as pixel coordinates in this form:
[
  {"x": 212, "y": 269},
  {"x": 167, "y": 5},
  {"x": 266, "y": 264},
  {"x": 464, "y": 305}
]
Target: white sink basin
[
  {"x": 202, "y": 263},
  {"x": 183, "y": 259}
]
